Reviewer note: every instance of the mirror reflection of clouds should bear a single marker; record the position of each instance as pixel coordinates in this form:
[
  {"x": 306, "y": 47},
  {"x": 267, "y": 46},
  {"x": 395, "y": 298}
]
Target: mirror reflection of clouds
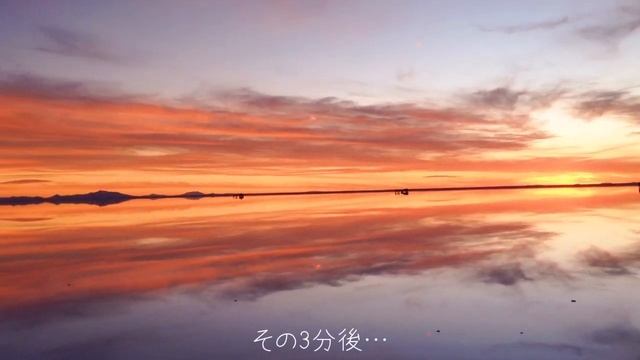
[{"x": 199, "y": 277}]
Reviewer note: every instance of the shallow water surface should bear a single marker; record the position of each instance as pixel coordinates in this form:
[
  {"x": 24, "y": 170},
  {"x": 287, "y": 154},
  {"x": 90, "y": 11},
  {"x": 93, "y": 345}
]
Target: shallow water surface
[{"x": 480, "y": 275}]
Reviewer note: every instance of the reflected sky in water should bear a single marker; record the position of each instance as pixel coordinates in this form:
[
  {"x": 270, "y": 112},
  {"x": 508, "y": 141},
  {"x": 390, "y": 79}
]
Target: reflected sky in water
[{"x": 494, "y": 272}]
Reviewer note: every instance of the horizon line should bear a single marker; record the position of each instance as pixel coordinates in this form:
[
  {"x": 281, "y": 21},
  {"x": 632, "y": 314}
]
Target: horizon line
[{"x": 103, "y": 198}]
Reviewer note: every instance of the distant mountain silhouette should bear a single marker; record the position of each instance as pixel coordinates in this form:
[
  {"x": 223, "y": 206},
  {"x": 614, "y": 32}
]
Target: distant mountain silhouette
[
  {"x": 21, "y": 200},
  {"x": 104, "y": 198},
  {"x": 193, "y": 195},
  {"x": 100, "y": 198}
]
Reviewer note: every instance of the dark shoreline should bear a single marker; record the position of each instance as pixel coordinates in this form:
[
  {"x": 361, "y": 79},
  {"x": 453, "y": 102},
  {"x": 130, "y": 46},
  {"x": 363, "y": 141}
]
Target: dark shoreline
[{"x": 104, "y": 198}]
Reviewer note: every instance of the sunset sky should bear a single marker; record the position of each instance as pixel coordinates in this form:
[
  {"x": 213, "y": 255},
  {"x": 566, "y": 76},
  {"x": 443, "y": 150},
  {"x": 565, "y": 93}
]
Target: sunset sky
[{"x": 161, "y": 96}]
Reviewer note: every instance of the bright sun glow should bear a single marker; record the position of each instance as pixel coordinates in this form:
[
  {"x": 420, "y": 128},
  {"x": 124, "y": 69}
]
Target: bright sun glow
[{"x": 564, "y": 178}]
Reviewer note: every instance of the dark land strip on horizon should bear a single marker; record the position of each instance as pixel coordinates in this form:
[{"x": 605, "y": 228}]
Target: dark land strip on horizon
[{"x": 104, "y": 198}]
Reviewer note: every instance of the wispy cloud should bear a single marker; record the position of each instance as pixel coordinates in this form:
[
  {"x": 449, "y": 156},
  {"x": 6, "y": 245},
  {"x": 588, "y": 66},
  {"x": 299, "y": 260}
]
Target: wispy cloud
[
  {"x": 616, "y": 102},
  {"x": 24, "y": 181},
  {"x": 620, "y": 334},
  {"x": 507, "y": 98},
  {"x": 604, "y": 261},
  {"x": 533, "y": 26},
  {"x": 610, "y": 32},
  {"x": 65, "y": 42},
  {"x": 548, "y": 348},
  {"x": 501, "y": 98},
  {"x": 30, "y": 85},
  {"x": 406, "y": 74},
  {"x": 527, "y": 269},
  {"x": 508, "y": 274}
]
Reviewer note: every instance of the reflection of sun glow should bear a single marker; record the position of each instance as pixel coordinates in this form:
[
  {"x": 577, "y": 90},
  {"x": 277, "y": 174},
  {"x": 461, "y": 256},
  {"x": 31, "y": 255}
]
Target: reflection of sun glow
[
  {"x": 564, "y": 192},
  {"x": 156, "y": 241},
  {"x": 156, "y": 151}
]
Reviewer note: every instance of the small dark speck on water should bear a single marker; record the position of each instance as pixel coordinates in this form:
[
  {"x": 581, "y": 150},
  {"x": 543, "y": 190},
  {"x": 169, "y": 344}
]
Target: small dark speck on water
[
  {"x": 437, "y": 331},
  {"x": 69, "y": 284},
  {"x": 521, "y": 332},
  {"x": 573, "y": 300},
  {"x": 235, "y": 300}
]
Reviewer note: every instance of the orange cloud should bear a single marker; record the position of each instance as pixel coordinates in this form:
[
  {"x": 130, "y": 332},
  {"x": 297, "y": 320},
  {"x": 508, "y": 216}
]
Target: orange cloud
[{"x": 78, "y": 137}]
